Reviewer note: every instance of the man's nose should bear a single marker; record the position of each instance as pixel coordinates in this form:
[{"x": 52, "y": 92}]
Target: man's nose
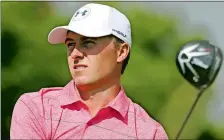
[{"x": 77, "y": 54}]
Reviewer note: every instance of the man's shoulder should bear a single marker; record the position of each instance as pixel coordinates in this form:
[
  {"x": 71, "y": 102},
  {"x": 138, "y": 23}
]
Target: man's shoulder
[
  {"x": 147, "y": 125},
  {"x": 38, "y": 96},
  {"x": 144, "y": 117}
]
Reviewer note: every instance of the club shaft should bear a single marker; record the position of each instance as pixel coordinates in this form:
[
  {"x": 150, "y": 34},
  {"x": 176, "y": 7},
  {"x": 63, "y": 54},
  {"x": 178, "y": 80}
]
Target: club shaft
[{"x": 189, "y": 113}]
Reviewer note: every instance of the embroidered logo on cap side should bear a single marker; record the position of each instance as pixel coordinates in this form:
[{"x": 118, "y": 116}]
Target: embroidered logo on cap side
[
  {"x": 81, "y": 13},
  {"x": 119, "y": 32}
]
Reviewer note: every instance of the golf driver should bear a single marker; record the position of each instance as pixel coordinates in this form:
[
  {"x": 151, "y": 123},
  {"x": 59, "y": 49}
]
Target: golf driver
[{"x": 199, "y": 63}]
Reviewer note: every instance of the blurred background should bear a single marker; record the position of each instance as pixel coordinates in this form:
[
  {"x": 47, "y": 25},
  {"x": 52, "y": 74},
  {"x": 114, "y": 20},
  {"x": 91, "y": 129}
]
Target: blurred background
[{"x": 151, "y": 79}]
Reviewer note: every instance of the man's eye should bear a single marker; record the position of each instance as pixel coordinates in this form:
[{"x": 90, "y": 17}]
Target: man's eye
[
  {"x": 71, "y": 45},
  {"x": 88, "y": 44}
]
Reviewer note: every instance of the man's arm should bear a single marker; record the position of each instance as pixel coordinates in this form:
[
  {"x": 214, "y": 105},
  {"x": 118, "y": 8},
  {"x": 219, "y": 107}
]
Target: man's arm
[
  {"x": 160, "y": 134},
  {"x": 26, "y": 122}
]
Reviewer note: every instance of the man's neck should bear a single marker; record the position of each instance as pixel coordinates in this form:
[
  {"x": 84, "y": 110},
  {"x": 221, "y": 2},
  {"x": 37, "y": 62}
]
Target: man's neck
[{"x": 99, "y": 97}]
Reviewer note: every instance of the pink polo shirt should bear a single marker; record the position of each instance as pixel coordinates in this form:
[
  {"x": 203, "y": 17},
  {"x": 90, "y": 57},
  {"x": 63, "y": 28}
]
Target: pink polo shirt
[{"x": 58, "y": 113}]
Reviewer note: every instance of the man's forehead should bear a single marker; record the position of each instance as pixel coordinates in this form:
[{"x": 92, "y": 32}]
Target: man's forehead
[{"x": 72, "y": 36}]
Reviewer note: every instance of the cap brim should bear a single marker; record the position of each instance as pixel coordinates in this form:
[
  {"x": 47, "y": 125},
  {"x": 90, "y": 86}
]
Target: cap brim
[{"x": 58, "y": 34}]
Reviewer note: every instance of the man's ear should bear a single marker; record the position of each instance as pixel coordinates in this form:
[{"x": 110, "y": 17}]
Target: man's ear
[{"x": 123, "y": 51}]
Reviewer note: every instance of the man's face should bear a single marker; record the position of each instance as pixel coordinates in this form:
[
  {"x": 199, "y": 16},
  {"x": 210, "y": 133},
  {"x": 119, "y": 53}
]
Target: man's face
[{"x": 92, "y": 61}]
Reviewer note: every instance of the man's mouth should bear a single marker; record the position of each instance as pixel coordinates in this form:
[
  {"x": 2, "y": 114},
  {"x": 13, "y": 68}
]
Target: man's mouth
[{"x": 79, "y": 67}]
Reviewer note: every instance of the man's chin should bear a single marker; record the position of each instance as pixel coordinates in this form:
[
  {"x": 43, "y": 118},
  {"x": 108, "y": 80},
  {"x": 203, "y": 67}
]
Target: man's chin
[{"x": 81, "y": 80}]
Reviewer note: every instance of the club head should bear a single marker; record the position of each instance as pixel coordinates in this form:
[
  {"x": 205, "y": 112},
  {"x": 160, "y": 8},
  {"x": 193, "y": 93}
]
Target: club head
[{"x": 199, "y": 62}]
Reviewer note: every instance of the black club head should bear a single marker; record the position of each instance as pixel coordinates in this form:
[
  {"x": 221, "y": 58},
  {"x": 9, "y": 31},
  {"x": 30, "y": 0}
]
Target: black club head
[{"x": 199, "y": 62}]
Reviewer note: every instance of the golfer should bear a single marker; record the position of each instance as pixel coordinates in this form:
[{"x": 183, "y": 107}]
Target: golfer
[{"x": 93, "y": 105}]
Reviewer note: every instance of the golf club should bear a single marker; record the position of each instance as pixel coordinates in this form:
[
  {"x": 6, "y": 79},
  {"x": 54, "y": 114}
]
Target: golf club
[{"x": 199, "y": 63}]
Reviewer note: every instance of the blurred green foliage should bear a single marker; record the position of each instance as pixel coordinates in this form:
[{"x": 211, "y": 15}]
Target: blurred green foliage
[{"x": 151, "y": 79}]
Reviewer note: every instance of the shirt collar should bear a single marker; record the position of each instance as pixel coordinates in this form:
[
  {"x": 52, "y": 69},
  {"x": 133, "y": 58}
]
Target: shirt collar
[
  {"x": 69, "y": 95},
  {"x": 120, "y": 103}
]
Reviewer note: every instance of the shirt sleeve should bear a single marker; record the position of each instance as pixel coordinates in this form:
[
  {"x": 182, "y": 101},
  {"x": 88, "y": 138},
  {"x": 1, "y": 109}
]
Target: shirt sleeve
[
  {"x": 26, "y": 122},
  {"x": 161, "y": 134}
]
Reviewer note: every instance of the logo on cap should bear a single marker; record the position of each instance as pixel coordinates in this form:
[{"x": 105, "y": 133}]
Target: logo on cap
[
  {"x": 119, "y": 32},
  {"x": 81, "y": 13}
]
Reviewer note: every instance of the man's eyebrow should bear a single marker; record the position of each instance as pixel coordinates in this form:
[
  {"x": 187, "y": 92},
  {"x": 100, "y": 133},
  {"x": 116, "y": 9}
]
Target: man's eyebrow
[
  {"x": 82, "y": 39},
  {"x": 68, "y": 39},
  {"x": 86, "y": 38}
]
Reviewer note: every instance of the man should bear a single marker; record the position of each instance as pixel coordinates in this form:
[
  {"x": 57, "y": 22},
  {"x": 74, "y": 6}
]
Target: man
[{"x": 93, "y": 105}]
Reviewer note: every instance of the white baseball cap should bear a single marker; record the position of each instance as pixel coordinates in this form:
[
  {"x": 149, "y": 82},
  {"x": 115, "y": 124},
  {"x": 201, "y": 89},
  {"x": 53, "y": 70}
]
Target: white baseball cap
[{"x": 94, "y": 20}]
